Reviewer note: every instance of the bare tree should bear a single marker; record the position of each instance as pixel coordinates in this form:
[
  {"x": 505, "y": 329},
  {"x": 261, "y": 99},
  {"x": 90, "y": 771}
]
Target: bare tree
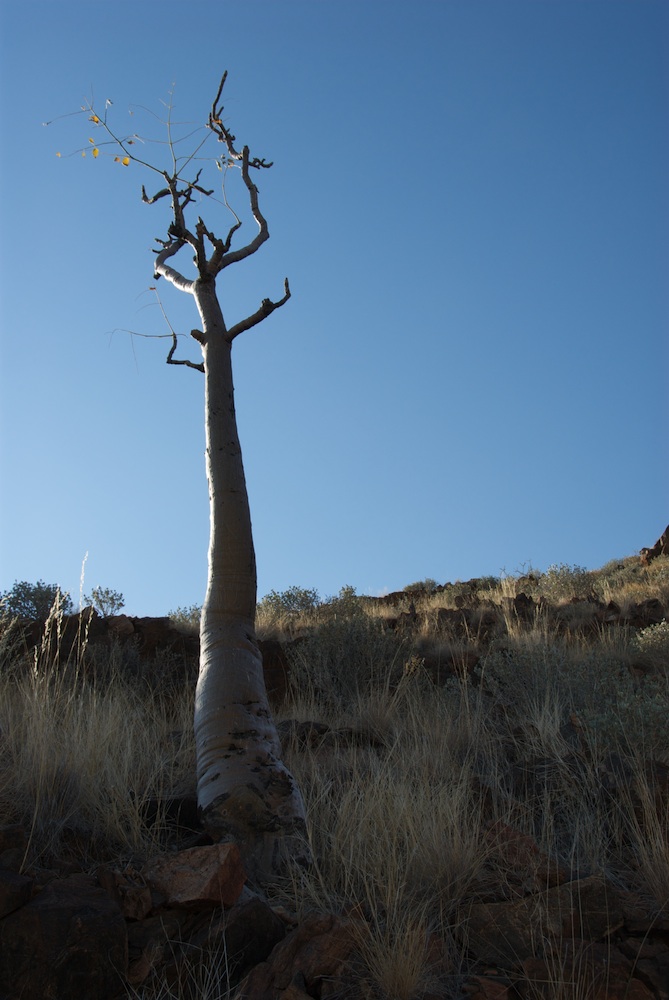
[{"x": 245, "y": 792}]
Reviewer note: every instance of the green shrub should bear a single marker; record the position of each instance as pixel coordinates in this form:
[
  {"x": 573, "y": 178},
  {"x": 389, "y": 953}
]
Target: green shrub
[
  {"x": 35, "y": 600},
  {"x": 107, "y": 602},
  {"x": 292, "y": 602}
]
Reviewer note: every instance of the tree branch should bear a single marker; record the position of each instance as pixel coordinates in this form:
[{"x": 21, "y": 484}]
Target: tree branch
[
  {"x": 162, "y": 269},
  {"x": 171, "y": 360},
  {"x": 266, "y": 309}
]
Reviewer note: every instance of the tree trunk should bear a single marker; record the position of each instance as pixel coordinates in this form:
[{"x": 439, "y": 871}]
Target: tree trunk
[{"x": 245, "y": 792}]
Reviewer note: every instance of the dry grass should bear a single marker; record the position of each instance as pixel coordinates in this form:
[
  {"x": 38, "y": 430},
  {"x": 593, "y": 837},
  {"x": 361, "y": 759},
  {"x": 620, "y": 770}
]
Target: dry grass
[
  {"x": 81, "y": 760},
  {"x": 400, "y": 818}
]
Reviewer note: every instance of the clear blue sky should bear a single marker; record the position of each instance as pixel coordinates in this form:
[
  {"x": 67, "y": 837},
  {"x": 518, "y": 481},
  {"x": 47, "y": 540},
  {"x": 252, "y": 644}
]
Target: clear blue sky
[{"x": 471, "y": 202}]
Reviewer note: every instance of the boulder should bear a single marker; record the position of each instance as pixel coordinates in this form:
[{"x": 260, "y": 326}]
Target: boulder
[
  {"x": 15, "y": 891},
  {"x": 69, "y": 940},
  {"x": 305, "y": 963},
  {"x": 594, "y": 970},
  {"x": 661, "y": 548},
  {"x": 526, "y": 867},
  {"x": 508, "y": 934},
  {"x": 198, "y": 877}
]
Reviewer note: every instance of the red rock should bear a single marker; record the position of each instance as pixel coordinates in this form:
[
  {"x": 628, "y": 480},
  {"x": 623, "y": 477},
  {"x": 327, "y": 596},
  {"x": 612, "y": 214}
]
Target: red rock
[
  {"x": 596, "y": 971},
  {"x": 198, "y": 877},
  {"x": 311, "y": 956},
  {"x": 509, "y": 933},
  {"x": 69, "y": 940},
  {"x": 661, "y": 548}
]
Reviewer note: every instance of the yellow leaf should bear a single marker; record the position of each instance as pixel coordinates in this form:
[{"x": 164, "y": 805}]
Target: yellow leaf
[
  {"x": 96, "y": 152},
  {"x": 57, "y": 154},
  {"x": 92, "y": 141},
  {"x": 83, "y": 152},
  {"x": 125, "y": 161},
  {"x": 94, "y": 118},
  {"x": 117, "y": 159}
]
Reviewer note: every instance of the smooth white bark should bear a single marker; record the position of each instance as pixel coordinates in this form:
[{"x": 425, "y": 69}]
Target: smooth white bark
[{"x": 244, "y": 790}]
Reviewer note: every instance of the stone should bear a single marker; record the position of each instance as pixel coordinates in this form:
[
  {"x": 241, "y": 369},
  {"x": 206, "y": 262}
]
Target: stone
[
  {"x": 15, "y": 891},
  {"x": 584, "y": 969},
  {"x": 69, "y": 940},
  {"x": 246, "y": 933},
  {"x": 13, "y": 837},
  {"x": 486, "y": 988},
  {"x": 276, "y": 668},
  {"x": 307, "y": 960},
  {"x": 661, "y": 548},
  {"x": 198, "y": 877},
  {"x": 524, "y": 864},
  {"x": 508, "y": 934}
]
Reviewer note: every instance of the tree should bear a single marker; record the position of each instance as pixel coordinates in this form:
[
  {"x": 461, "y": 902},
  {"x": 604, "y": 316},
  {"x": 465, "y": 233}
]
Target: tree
[
  {"x": 36, "y": 601},
  {"x": 245, "y": 792}
]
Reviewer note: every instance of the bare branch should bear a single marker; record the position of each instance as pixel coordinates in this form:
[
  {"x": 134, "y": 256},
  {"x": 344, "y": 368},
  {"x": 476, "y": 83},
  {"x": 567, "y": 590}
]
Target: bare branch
[
  {"x": 163, "y": 270},
  {"x": 266, "y": 309},
  {"x": 171, "y": 360}
]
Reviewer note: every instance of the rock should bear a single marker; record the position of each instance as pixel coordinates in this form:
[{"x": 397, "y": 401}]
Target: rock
[
  {"x": 13, "y": 847},
  {"x": 507, "y": 934},
  {"x": 198, "y": 877},
  {"x": 15, "y": 891},
  {"x": 276, "y": 668},
  {"x": 121, "y": 626},
  {"x": 595, "y": 971},
  {"x": 246, "y": 933},
  {"x": 13, "y": 837},
  {"x": 151, "y": 942},
  {"x": 486, "y": 988},
  {"x": 650, "y": 612},
  {"x": 661, "y": 548},
  {"x": 69, "y": 940},
  {"x": 307, "y": 960},
  {"x": 302, "y": 734},
  {"x": 525, "y": 865}
]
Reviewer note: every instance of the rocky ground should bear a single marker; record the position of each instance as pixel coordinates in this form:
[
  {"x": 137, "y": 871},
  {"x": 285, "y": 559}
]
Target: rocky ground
[{"x": 545, "y": 928}]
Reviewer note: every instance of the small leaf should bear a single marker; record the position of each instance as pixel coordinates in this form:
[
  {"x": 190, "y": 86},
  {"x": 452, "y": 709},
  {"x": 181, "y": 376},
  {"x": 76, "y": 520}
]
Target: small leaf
[
  {"x": 57, "y": 154},
  {"x": 96, "y": 152},
  {"x": 83, "y": 152},
  {"x": 117, "y": 159},
  {"x": 94, "y": 118},
  {"x": 92, "y": 141},
  {"x": 125, "y": 161}
]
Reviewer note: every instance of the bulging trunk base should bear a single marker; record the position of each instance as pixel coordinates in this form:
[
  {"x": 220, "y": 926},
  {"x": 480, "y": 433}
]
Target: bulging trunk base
[{"x": 245, "y": 792}]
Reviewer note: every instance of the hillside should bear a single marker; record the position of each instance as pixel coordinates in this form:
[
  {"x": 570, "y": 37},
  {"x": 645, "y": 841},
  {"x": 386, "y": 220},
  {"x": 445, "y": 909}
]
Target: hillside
[{"x": 486, "y": 769}]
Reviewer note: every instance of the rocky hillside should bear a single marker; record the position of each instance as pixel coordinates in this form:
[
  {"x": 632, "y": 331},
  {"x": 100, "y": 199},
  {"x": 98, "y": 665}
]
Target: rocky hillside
[{"x": 486, "y": 770}]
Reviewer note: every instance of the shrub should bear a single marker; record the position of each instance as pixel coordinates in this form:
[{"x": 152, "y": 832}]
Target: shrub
[
  {"x": 344, "y": 657},
  {"x": 106, "y": 602},
  {"x": 291, "y": 602},
  {"x": 427, "y": 586},
  {"x": 188, "y": 617},
  {"x": 561, "y": 582},
  {"x": 35, "y": 600}
]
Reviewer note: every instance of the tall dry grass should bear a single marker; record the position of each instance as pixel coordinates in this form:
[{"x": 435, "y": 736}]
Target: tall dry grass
[
  {"x": 550, "y": 735},
  {"x": 81, "y": 758}
]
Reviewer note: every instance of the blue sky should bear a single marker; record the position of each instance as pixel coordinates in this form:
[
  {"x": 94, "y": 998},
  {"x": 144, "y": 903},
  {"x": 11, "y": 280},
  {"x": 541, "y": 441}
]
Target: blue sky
[{"x": 470, "y": 200}]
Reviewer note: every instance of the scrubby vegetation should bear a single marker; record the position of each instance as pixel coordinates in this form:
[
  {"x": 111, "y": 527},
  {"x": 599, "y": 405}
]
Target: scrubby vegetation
[{"x": 422, "y": 729}]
